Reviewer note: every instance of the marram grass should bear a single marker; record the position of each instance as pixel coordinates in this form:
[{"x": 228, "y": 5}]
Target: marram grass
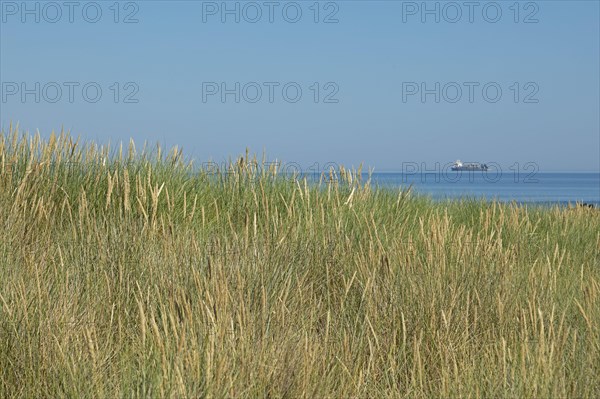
[{"x": 130, "y": 273}]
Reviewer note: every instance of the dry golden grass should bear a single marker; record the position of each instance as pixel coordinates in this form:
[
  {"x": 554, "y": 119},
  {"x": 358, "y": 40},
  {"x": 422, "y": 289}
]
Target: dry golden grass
[{"x": 126, "y": 273}]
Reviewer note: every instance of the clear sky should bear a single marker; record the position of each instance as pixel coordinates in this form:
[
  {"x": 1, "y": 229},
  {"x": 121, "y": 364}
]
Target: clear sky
[{"x": 378, "y": 68}]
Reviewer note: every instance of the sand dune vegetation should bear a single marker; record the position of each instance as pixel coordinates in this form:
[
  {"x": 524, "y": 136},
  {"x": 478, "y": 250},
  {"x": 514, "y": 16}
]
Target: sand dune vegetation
[{"x": 131, "y": 272}]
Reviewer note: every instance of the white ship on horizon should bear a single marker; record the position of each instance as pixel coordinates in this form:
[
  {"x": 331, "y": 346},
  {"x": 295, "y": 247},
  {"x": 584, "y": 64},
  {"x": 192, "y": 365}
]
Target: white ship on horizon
[{"x": 470, "y": 166}]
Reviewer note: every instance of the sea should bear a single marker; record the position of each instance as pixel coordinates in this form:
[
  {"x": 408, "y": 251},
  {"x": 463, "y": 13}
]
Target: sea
[
  {"x": 543, "y": 188},
  {"x": 539, "y": 188}
]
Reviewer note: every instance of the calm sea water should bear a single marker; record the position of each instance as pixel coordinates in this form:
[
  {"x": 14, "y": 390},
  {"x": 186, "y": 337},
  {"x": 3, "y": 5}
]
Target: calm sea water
[{"x": 542, "y": 188}]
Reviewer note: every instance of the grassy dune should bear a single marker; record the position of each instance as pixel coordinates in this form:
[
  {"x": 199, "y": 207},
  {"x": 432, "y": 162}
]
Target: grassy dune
[{"x": 124, "y": 274}]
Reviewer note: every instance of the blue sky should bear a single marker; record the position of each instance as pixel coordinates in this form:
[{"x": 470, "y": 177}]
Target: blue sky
[{"x": 361, "y": 78}]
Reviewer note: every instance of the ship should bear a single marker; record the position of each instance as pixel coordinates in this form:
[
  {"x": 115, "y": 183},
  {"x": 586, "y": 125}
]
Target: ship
[{"x": 470, "y": 166}]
